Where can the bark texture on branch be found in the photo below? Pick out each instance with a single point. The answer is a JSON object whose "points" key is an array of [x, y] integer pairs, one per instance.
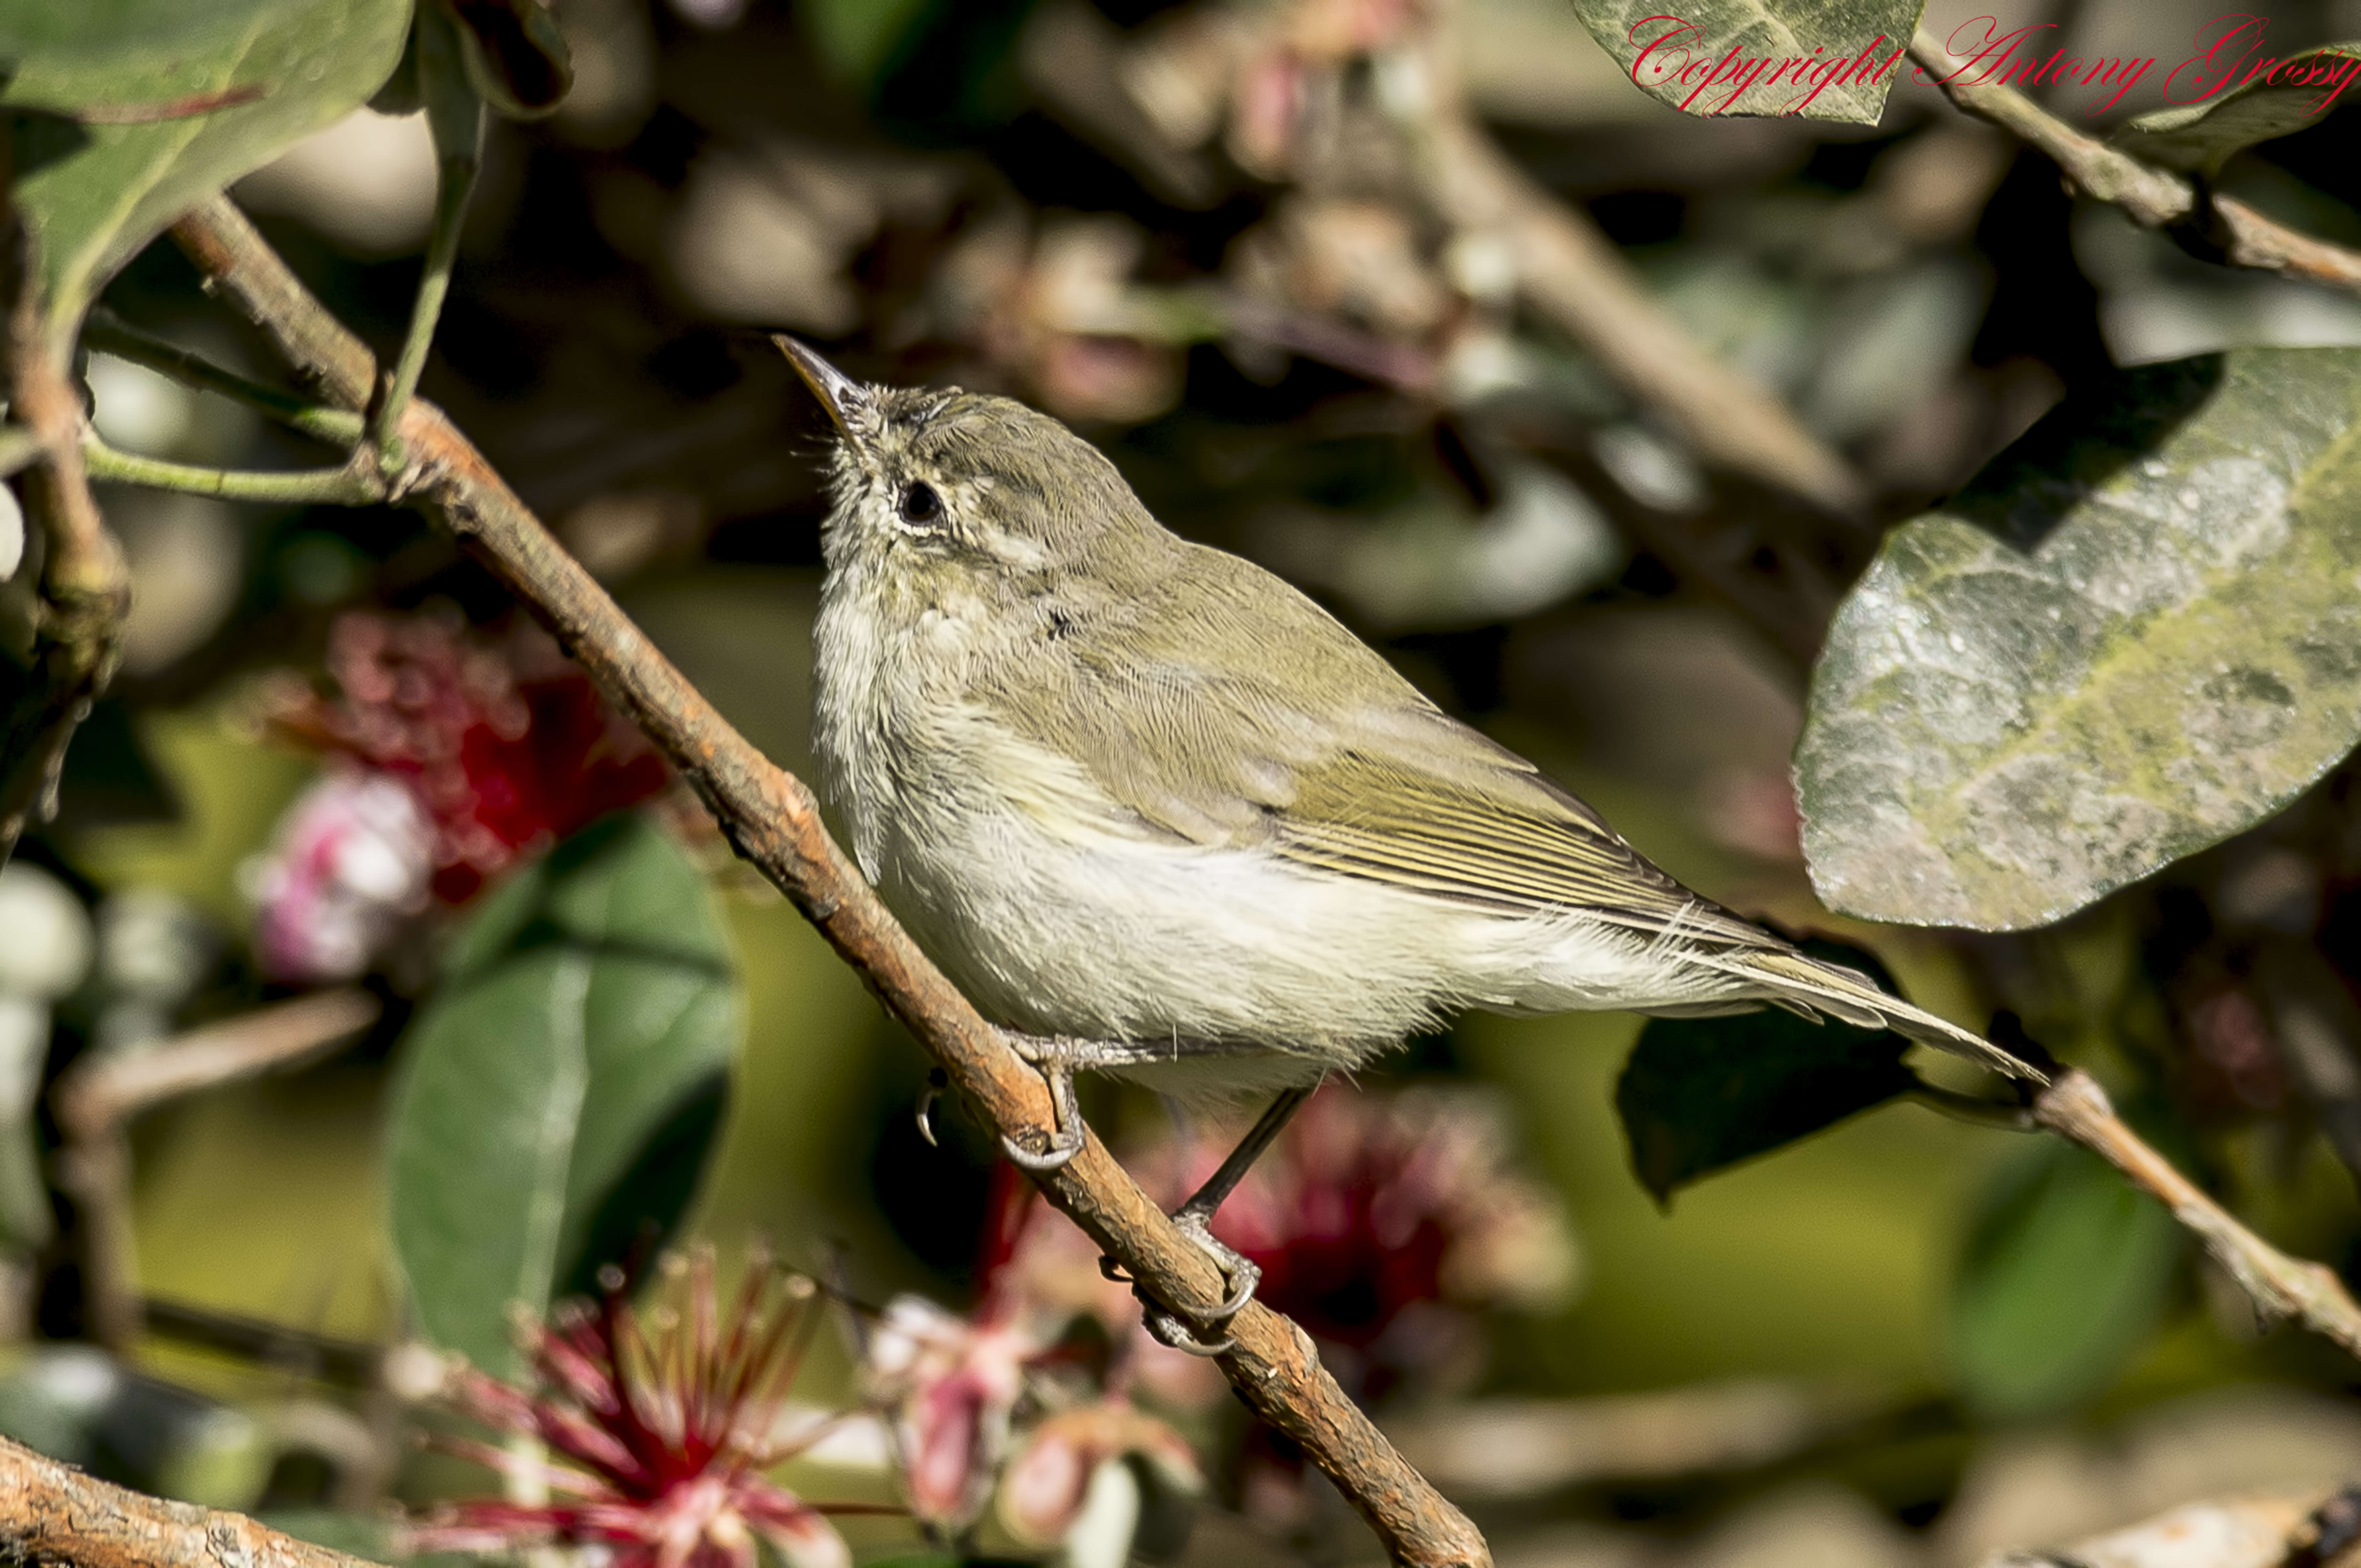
{"points": [[53, 1513], [774, 821]]}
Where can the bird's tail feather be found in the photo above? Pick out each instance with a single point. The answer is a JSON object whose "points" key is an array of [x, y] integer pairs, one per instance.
{"points": [[1796, 979]]}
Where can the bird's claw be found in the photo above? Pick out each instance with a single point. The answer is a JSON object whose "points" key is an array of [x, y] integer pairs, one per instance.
{"points": [[1066, 1137], [936, 1082], [1238, 1270], [1176, 1332], [1188, 1332], [1064, 1145]]}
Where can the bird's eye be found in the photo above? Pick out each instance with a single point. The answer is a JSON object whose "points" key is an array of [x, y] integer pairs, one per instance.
{"points": [[920, 504]]}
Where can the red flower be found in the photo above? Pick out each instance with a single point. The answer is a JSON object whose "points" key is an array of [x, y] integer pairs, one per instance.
{"points": [[658, 1440], [506, 741], [1378, 1214]]}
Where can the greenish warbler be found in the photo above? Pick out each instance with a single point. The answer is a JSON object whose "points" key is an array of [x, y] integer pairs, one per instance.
{"points": [[1158, 813]]}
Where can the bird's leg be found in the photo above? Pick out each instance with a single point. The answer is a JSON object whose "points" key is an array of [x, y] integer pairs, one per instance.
{"points": [[1195, 1218], [1057, 1058]]}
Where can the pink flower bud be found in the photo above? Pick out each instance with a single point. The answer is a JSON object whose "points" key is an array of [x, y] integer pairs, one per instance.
{"points": [[352, 862]]}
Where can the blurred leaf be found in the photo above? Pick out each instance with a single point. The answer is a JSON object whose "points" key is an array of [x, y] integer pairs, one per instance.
{"points": [[1719, 43], [2063, 1276], [2136, 633], [858, 38], [127, 113], [1701, 1094], [516, 57], [2201, 138], [562, 1090]]}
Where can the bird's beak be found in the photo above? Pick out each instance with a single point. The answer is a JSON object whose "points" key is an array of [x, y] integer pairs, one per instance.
{"points": [[837, 391]]}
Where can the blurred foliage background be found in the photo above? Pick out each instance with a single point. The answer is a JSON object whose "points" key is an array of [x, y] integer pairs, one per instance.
{"points": [[1909, 1340]]}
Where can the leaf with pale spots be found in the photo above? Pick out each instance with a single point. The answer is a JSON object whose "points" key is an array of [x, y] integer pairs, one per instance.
{"points": [[2136, 633]]}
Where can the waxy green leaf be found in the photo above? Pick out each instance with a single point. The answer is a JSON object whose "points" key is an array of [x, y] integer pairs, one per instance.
{"points": [[127, 113], [2136, 633], [559, 1095]]}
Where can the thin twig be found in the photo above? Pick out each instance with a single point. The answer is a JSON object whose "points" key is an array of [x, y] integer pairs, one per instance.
{"points": [[455, 116], [350, 485], [2281, 1286], [53, 1513], [85, 587], [2219, 229], [102, 1092], [351, 1364], [774, 821], [109, 333]]}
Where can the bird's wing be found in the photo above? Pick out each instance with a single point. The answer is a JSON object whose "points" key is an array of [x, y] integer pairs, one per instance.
{"points": [[1342, 764], [1435, 807]]}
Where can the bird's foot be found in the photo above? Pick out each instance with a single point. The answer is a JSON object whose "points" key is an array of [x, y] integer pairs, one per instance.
{"points": [[1068, 1134], [1192, 1331]]}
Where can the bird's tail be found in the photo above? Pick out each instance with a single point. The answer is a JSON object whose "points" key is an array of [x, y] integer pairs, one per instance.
{"points": [[1800, 982]]}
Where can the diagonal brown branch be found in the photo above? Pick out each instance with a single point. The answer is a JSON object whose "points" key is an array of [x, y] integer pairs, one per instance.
{"points": [[2075, 1107], [53, 1513], [2221, 227], [2281, 1287], [774, 821]]}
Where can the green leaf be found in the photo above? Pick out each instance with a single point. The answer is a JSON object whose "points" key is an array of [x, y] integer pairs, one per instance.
{"points": [[2201, 138], [1736, 57], [560, 1094], [1701, 1094], [2136, 633], [2064, 1274], [127, 113]]}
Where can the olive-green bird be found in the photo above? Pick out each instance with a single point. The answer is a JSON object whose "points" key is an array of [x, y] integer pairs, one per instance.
{"points": [[1158, 814]]}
